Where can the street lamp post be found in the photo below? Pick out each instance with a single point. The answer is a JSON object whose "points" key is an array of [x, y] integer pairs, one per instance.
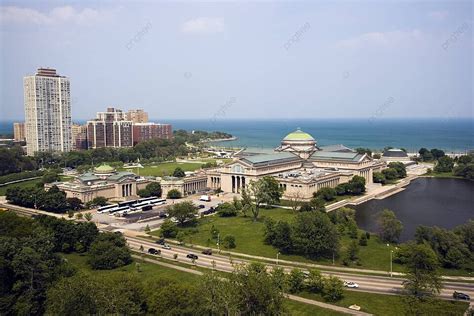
{"points": [[218, 243], [391, 263], [277, 258]]}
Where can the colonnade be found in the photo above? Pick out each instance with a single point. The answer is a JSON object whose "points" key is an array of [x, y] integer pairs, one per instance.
{"points": [[127, 189], [238, 182]]}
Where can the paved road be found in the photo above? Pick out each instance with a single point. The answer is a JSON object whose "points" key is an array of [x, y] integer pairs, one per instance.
{"points": [[373, 284]]}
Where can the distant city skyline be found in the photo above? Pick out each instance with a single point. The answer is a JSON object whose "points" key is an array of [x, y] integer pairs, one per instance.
{"points": [[221, 61]]}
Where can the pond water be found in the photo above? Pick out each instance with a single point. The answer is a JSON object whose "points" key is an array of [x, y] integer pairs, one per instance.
{"points": [[445, 203]]}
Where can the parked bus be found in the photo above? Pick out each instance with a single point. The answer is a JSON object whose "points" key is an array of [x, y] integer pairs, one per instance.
{"points": [[127, 203], [106, 208], [148, 199], [119, 209]]}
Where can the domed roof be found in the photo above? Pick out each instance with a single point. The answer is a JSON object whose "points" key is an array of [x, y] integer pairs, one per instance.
{"points": [[298, 135], [104, 168]]}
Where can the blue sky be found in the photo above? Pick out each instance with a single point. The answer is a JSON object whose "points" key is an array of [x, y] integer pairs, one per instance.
{"points": [[245, 59]]}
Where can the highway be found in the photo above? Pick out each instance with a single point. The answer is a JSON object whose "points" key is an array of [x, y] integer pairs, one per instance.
{"points": [[367, 283]]}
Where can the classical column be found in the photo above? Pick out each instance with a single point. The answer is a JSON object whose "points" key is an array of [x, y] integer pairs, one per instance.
{"points": [[233, 184]]}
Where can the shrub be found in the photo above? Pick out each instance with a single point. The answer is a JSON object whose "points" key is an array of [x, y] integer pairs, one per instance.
{"points": [[328, 194], [295, 281], [229, 242], [174, 194], [226, 210]]}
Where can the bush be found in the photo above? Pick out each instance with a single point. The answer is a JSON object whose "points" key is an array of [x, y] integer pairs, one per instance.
{"points": [[305, 207], [50, 177], [168, 229], [226, 210], [229, 242], [178, 172], [363, 240], [174, 194], [295, 281], [328, 194], [379, 177], [333, 289]]}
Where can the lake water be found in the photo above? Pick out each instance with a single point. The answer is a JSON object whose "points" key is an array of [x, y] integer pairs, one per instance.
{"points": [[426, 201]]}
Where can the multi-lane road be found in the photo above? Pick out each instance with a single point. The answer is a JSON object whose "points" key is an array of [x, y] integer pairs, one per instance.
{"points": [[367, 283]]}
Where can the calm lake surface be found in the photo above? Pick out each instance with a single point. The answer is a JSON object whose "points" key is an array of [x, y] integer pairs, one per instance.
{"points": [[445, 203]]}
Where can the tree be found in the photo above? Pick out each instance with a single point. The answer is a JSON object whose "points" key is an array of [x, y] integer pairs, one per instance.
{"points": [[229, 242], [318, 204], [353, 251], [356, 185], [314, 235], [247, 203], [295, 280], [363, 239], [315, 281], [333, 289], [88, 216], [390, 173], [258, 292], [50, 177], [74, 203], [79, 216], [168, 229], [379, 177], [400, 168], [152, 189], [147, 229], [226, 210], [422, 276], [183, 211], [97, 201], [327, 193], [390, 226], [263, 191], [219, 297], [174, 194], [306, 207], [178, 172], [437, 153], [444, 164], [294, 199], [109, 251]]}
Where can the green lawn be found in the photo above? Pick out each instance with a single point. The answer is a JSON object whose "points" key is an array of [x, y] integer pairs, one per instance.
{"points": [[164, 169], [249, 240], [24, 184], [150, 271], [390, 305]]}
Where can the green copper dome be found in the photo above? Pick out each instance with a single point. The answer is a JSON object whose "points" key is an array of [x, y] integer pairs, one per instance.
{"points": [[104, 169], [299, 135]]}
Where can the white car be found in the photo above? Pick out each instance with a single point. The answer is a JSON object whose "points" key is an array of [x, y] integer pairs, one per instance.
{"points": [[166, 246], [351, 285]]}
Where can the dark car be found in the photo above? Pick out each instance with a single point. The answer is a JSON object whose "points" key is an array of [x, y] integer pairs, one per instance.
{"points": [[207, 252], [202, 206], [154, 251], [160, 241], [163, 215], [212, 210], [206, 212], [461, 296], [192, 256]]}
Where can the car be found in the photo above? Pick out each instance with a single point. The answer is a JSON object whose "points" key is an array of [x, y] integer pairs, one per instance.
{"points": [[166, 246], [207, 252], [206, 212], [160, 241], [163, 215], [351, 285], [154, 251], [192, 256], [461, 296], [202, 206], [306, 274]]}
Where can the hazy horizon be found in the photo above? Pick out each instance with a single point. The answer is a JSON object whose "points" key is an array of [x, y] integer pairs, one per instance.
{"points": [[243, 60]]}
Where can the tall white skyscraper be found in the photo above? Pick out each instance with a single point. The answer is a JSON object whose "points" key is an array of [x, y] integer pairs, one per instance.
{"points": [[47, 112]]}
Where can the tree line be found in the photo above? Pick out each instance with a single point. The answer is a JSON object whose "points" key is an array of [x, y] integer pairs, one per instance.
{"points": [[30, 262]]}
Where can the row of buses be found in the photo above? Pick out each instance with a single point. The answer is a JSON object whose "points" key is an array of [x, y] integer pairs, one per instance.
{"points": [[133, 206]]}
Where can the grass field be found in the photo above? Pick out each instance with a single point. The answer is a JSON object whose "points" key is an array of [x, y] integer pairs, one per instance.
{"points": [[24, 184], [149, 271], [249, 240], [164, 169], [391, 305]]}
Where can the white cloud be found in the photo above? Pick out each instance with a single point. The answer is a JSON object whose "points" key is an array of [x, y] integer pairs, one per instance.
{"points": [[13, 14], [438, 15], [203, 25], [381, 39]]}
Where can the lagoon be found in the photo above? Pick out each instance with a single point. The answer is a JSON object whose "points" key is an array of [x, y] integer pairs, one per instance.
{"points": [[439, 202]]}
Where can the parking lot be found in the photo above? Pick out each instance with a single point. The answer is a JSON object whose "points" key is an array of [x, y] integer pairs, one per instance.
{"points": [[138, 221]]}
